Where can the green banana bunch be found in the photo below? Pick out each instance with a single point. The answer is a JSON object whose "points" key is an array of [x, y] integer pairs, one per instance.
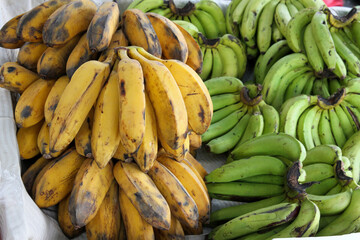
{"points": [[240, 114]]}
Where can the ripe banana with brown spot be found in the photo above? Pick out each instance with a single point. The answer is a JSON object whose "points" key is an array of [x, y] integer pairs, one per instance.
{"points": [[30, 26], [181, 204], [52, 63], [53, 98], [64, 219], [16, 78], [79, 55], [175, 232], [139, 31], [107, 221], [76, 101], [165, 97], [30, 53], [135, 225], [143, 194], [132, 102], [172, 41], [57, 181], [8, 37], [29, 110], [43, 142], [105, 135], [194, 164], [195, 141], [38, 178], [118, 40], [83, 137], [103, 26], [176, 154], [68, 21], [122, 155], [30, 174], [26, 138], [88, 191]]}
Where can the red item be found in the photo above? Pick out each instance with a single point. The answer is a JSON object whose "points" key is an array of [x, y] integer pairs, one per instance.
{"points": [[333, 3]]}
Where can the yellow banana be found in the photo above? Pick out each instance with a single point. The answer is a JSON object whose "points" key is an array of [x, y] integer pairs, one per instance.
{"points": [[29, 110], [58, 179], [76, 101], [105, 135], [67, 22], [175, 232], [177, 154], [191, 183], [53, 98], [132, 102], [30, 174], [181, 204], [195, 55], [64, 219], [30, 26], [139, 31], [15, 77], [43, 142], [107, 221], [193, 90], [79, 55], [195, 140], [83, 137], [193, 231], [122, 155], [136, 226], [172, 41], [146, 154], [166, 99], [30, 53], [143, 194], [52, 63], [103, 26], [26, 138], [8, 37], [88, 191], [39, 176], [194, 164], [118, 40]]}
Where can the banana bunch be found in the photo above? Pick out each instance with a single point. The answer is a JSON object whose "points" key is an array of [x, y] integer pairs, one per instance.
{"points": [[260, 23], [224, 56], [240, 114], [206, 15]]}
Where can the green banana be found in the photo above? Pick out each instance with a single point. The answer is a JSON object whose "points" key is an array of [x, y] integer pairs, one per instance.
{"points": [[194, 20], [351, 151], [332, 204], [271, 118], [217, 64], [254, 128], [230, 26], [335, 190], [229, 60], [216, 13], [297, 86], [282, 17], [318, 172], [323, 186], [336, 128], [325, 132], [238, 12], [315, 128], [323, 154], [292, 9], [146, 6], [340, 68], [207, 64], [208, 23], [269, 179], [276, 34], [223, 112], [317, 4], [223, 100], [312, 51], [304, 127]]}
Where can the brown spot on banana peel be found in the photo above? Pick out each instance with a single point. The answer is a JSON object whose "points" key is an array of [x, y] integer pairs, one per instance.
{"points": [[9, 70], [26, 112], [24, 21]]}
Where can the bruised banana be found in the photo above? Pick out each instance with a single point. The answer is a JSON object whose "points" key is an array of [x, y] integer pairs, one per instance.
{"points": [[122, 155], [8, 37], [16, 78], [29, 109], [83, 137], [56, 182], [30, 53], [139, 31], [30, 174], [103, 26], [88, 191], [43, 142], [27, 139], [67, 22], [64, 219], [143, 194], [107, 221], [118, 40]]}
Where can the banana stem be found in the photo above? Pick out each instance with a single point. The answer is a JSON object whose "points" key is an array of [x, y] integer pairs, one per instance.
{"points": [[333, 101], [247, 99], [187, 10]]}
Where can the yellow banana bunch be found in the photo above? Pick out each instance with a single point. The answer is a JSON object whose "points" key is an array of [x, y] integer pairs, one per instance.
{"points": [[26, 138], [30, 53], [64, 219], [15, 77], [83, 137], [30, 174], [8, 37]]}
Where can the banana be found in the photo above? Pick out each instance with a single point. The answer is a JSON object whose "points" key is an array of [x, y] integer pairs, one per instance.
{"points": [[191, 182], [282, 17], [334, 85], [122, 155], [271, 118], [264, 28], [230, 26], [292, 8], [194, 164], [255, 126], [141, 33], [326, 220], [181, 203], [317, 4], [355, 28], [351, 115], [195, 21], [163, 12], [103, 26], [207, 64], [323, 186], [225, 111], [276, 34], [29, 109], [323, 154], [332, 204], [28, 177], [350, 151], [229, 60], [16, 78], [217, 64], [335, 190], [118, 40], [83, 136], [324, 39], [257, 220], [175, 232], [8, 37], [223, 84], [273, 144], [68, 21], [30, 53], [239, 12], [136, 226], [223, 100], [318, 172], [161, 85], [146, 6], [264, 234], [64, 219], [336, 128], [27, 140], [107, 221], [52, 63], [304, 127], [297, 4], [208, 23], [325, 133], [43, 142], [216, 13], [53, 98], [30, 26], [88, 191], [76, 101], [305, 224], [57, 180]]}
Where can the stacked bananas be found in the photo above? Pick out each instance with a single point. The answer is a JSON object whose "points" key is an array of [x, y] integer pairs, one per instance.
{"points": [[240, 114]]}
